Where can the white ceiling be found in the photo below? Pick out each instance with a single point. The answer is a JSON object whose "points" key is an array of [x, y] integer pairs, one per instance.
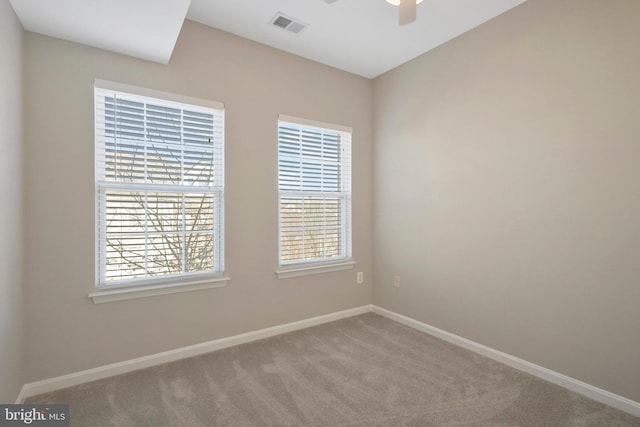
{"points": [[359, 36], [146, 29]]}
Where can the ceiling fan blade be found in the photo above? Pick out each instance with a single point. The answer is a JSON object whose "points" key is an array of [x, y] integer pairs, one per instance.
{"points": [[407, 11]]}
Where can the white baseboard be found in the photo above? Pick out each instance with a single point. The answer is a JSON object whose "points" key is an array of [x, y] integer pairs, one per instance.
{"points": [[592, 392], [22, 395], [57, 383]]}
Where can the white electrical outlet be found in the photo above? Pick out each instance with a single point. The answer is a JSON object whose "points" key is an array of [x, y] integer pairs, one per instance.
{"points": [[360, 277], [396, 281]]}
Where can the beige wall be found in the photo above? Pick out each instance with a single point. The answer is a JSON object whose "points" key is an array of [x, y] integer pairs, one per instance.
{"points": [[11, 307], [67, 332], [507, 188]]}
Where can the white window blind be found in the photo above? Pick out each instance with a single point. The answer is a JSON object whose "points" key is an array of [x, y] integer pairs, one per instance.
{"points": [[159, 188], [314, 190]]}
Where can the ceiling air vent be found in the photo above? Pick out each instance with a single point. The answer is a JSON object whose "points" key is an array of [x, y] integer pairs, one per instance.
{"points": [[287, 23]]}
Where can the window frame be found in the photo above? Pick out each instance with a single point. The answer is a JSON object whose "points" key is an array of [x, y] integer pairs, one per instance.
{"points": [[168, 283], [345, 260]]}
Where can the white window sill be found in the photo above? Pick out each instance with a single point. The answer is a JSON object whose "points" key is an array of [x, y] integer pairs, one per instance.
{"points": [[306, 270], [118, 294]]}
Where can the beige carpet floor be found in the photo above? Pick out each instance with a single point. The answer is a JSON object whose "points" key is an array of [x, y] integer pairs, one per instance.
{"points": [[362, 371]]}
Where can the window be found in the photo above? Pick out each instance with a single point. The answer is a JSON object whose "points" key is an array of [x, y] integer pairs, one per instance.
{"points": [[314, 191], [159, 177]]}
